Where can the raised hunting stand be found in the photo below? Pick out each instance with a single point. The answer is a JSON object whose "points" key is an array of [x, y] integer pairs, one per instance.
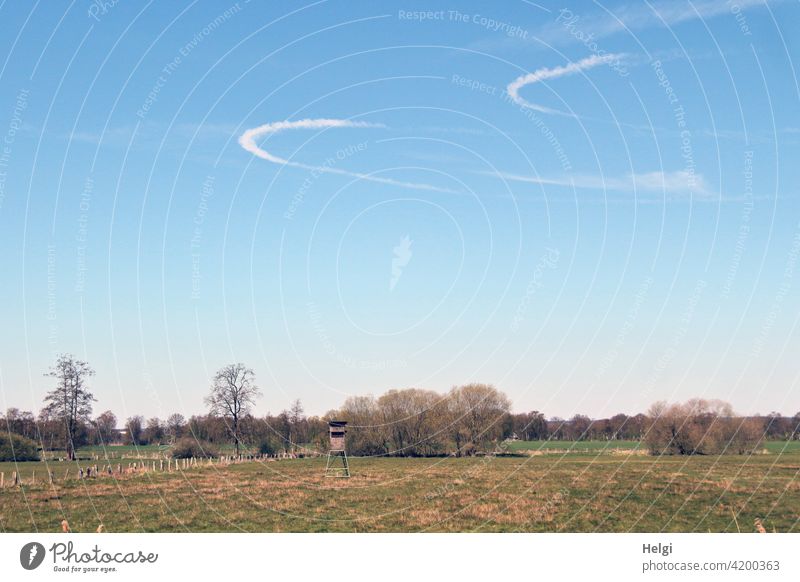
{"points": [[337, 428]]}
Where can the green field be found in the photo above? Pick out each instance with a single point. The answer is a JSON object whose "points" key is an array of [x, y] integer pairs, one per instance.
{"points": [[579, 491], [573, 446], [782, 447]]}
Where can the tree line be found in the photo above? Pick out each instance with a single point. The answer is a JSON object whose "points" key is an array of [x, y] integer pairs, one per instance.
{"points": [[467, 420]]}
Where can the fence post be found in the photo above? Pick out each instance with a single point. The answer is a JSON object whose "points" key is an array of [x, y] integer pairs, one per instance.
{"points": [[15, 477], [2, 480]]}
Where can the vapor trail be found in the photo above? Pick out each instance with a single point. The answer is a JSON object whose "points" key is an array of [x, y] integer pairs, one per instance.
{"points": [[248, 141], [544, 74]]}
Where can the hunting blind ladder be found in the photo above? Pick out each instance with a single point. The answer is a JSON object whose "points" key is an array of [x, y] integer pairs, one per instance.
{"points": [[337, 452]]}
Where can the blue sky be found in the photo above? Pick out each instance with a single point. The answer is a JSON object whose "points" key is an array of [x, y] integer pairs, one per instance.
{"points": [[592, 207]]}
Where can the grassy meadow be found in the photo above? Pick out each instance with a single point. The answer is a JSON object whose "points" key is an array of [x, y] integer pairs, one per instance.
{"points": [[586, 490]]}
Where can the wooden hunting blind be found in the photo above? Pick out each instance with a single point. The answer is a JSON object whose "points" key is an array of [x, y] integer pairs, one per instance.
{"points": [[337, 451]]}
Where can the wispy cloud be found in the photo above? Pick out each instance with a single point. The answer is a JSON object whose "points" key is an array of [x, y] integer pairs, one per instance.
{"points": [[679, 182], [248, 141], [635, 17], [545, 74], [638, 16]]}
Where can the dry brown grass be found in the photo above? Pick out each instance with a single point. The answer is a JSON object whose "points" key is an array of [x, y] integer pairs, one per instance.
{"points": [[542, 493]]}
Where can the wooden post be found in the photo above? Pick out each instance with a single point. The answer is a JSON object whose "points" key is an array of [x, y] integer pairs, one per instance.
{"points": [[15, 478], [33, 477], [2, 480], [161, 465]]}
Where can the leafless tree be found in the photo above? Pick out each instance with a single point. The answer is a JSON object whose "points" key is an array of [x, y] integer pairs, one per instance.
{"points": [[476, 413], [700, 427], [135, 429], [296, 418], [175, 426], [105, 427], [70, 402], [233, 393]]}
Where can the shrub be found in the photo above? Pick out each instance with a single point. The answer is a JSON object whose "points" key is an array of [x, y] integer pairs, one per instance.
{"points": [[266, 447], [700, 427], [17, 448], [189, 447]]}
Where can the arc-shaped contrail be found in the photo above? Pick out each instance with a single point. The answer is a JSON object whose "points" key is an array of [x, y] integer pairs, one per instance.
{"points": [[248, 141], [544, 74]]}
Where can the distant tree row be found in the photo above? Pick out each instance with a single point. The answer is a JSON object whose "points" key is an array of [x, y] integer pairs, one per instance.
{"points": [[412, 422]]}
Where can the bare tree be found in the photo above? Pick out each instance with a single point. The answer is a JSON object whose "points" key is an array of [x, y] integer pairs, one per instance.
{"points": [[154, 431], [700, 427], [175, 426], [233, 393], [476, 412], [135, 429], [105, 427], [296, 418], [70, 402]]}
